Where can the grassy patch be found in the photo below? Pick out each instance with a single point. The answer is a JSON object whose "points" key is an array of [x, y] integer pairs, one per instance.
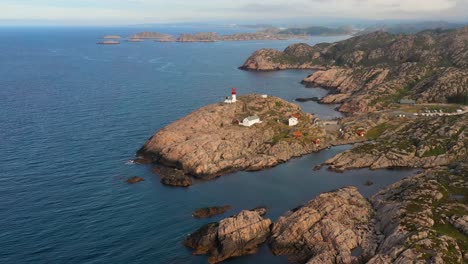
{"points": [[414, 208], [282, 135], [376, 131], [449, 230], [435, 151]]}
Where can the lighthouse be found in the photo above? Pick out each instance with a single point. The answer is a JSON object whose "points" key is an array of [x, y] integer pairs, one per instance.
{"points": [[233, 98], [234, 95]]}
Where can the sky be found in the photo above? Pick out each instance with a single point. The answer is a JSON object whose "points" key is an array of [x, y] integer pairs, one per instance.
{"points": [[236, 11]]}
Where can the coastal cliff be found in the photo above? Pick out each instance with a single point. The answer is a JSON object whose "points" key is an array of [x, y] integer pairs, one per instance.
{"points": [[210, 141], [371, 71], [421, 219]]}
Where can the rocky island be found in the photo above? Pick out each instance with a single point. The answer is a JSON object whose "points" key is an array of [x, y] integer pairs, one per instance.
{"points": [[210, 141], [269, 34]]}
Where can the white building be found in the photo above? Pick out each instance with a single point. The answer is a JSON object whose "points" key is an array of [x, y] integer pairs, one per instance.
{"points": [[293, 121], [250, 121]]}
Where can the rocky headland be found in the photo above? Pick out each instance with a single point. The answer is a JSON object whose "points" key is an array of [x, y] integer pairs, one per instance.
{"points": [[369, 72], [421, 219], [210, 141]]}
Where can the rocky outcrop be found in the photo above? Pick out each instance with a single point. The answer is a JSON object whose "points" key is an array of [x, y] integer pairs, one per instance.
{"points": [[334, 227], [371, 71], [415, 218], [210, 211], [234, 236], [210, 142], [424, 142]]}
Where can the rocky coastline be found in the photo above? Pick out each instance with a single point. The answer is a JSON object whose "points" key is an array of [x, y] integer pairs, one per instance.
{"points": [[420, 219], [415, 220]]}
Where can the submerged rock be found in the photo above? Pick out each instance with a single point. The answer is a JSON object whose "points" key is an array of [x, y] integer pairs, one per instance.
{"points": [[234, 236], [135, 179], [173, 177], [211, 211], [314, 99]]}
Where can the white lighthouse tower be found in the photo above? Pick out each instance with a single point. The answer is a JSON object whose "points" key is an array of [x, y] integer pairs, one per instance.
{"points": [[234, 95], [233, 98]]}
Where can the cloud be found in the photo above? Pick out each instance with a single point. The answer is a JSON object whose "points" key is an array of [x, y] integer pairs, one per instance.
{"points": [[182, 10]]}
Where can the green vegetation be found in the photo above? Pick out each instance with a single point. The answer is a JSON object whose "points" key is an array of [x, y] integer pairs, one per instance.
{"points": [[282, 135], [376, 131], [278, 104], [435, 151]]}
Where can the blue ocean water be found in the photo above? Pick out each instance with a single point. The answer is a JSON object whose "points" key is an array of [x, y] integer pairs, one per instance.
{"points": [[72, 113]]}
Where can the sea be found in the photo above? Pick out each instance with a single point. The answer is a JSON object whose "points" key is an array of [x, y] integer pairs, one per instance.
{"points": [[73, 113]]}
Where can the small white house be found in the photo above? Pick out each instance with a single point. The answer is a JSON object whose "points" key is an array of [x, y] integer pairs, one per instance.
{"points": [[250, 121], [293, 121], [264, 96]]}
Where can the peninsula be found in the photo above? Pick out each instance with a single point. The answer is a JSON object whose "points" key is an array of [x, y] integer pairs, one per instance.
{"points": [[212, 140]]}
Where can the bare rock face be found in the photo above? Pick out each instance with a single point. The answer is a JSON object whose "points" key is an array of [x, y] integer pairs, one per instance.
{"points": [[234, 236], [210, 142], [418, 143], [328, 229], [419, 222], [293, 57]]}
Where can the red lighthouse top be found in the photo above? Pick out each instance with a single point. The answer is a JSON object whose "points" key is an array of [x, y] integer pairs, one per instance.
{"points": [[234, 90]]}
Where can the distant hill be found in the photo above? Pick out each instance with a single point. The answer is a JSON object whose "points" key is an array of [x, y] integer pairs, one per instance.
{"points": [[319, 31], [412, 28]]}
